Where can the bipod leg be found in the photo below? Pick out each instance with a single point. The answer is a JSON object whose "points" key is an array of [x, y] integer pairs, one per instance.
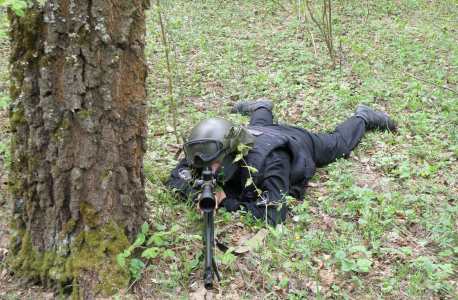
{"points": [[215, 268]]}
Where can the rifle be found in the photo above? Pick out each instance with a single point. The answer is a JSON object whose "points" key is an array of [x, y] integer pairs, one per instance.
{"points": [[207, 203]]}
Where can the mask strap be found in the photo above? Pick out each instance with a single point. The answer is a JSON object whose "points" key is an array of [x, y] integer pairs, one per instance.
{"points": [[175, 157], [226, 144], [177, 154], [183, 136]]}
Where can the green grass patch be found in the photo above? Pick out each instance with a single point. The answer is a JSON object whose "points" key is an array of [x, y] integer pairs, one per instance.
{"points": [[379, 225]]}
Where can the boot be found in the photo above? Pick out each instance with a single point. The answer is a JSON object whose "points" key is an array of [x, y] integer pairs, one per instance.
{"points": [[374, 119], [247, 107]]}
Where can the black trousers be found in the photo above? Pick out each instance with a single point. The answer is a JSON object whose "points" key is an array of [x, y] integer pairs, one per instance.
{"points": [[325, 148]]}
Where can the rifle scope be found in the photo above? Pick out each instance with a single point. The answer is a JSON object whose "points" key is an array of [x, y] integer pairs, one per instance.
{"points": [[207, 201]]}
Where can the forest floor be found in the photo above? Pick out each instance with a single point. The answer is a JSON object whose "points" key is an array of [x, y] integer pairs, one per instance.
{"points": [[381, 224]]}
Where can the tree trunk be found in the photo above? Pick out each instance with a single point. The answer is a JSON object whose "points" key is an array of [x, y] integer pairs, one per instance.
{"points": [[78, 120]]}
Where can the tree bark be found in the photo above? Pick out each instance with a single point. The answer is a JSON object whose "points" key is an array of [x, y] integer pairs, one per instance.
{"points": [[78, 120]]}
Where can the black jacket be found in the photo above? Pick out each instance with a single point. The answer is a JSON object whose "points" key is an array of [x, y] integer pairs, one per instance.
{"points": [[284, 166]]}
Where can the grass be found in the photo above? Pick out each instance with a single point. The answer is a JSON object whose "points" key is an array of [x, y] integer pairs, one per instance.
{"points": [[378, 225], [381, 224]]}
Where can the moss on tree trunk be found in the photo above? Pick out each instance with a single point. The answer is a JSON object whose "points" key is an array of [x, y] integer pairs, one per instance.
{"points": [[78, 120], [91, 264]]}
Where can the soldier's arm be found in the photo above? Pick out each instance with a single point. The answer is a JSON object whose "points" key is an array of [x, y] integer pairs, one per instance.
{"points": [[274, 187], [181, 181]]}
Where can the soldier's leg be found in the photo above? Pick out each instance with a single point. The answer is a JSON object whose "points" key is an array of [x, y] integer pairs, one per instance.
{"points": [[260, 111], [328, 147], [261, 116]]}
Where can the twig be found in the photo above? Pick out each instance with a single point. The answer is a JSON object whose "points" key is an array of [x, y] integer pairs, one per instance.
{"points": [[169, 72], [340, 57], [241, 274], [185, 247], [251, 285], [413, 240], [367, 17], [161, 159], [441, 236], [210, 15], [325, 31], [414, 12], [280, 5], [330, 32], [299, 4], [329, 23], [169, 35], [426, 81], [418, 78], [138, 277], [310, 32], [421, 132]]}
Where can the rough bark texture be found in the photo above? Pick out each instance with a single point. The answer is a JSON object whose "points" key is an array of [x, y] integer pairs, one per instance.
{"points": [[78, 119]]}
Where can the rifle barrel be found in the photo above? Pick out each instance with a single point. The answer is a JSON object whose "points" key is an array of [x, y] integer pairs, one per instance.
{"points": [[208, 240], [207, 204]]}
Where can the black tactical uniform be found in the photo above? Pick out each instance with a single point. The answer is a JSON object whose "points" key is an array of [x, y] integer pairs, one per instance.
{"points": [[286, 157]]}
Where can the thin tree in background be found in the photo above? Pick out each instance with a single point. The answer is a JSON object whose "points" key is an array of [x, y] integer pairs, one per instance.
{"points": [[169, 72], [325, 26]]}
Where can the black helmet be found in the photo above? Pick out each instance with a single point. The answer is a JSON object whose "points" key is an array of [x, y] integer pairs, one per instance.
{"points": [[212, 139]]}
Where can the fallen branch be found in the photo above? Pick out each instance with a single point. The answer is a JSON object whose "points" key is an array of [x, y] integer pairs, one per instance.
{"points": [[310, 32], [138, 277], [364, 24], [408, 236], [280, 5], [418, 78], [209, 16]]}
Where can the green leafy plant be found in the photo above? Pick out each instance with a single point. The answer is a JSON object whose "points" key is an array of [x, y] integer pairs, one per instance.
{"points": [[4, 101], [228, 257], [158, 238], [17, 5], [136, 266], [436, 272]]}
